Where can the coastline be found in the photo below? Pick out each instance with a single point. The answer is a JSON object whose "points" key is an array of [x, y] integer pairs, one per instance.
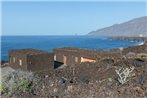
{"points": [[131, 39]]}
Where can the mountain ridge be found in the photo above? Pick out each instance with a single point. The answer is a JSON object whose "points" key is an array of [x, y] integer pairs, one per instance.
{"points": [[132, 28]]}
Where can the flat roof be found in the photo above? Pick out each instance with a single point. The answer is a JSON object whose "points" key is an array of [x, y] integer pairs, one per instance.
{"points": [[29, 51]]}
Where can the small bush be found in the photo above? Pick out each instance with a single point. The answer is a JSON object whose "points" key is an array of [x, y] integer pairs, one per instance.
{"points": [[124, 74], [25, 85], [3, 88], [22, 85], [16, 81]]}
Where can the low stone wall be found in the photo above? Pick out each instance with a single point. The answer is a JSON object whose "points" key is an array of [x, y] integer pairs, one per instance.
{"points": [[136, 49]]}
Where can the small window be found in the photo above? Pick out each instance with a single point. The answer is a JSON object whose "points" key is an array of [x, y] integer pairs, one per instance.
{"points": [[55, 57], [76, 59], [13, 59], [20, 62]]}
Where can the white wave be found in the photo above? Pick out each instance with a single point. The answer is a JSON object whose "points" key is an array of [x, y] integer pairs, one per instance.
{"points": [[141, 43], [132, 41]]}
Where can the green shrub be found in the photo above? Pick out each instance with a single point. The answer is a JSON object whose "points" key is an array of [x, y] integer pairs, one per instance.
{"points": [[12, 89], [22, 85], [3, 88], [25, 85]]}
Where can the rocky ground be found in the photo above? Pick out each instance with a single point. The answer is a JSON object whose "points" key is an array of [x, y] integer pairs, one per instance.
{"points": [[126, 78]]}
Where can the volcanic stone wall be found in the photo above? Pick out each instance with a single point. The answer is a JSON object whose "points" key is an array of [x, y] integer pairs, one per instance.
{"points": [[71, 53], [136, 52], [40, 62], [14, 58], [136, 49]]}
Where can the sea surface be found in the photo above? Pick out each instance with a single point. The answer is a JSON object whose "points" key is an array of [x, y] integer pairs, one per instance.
{"points": [[50, 42]]}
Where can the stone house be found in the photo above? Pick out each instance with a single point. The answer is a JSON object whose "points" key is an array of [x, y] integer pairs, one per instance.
{"points": [[31, 60], [70, 56]]}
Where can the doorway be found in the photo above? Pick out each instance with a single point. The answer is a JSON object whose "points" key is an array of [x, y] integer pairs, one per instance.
{"points": [[64, 59]]}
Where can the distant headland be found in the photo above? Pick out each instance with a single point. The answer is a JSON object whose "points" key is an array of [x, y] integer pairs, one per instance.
{"points": [[134, 28]]}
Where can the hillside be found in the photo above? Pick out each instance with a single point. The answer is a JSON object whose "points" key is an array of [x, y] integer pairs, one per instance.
{"points": [[130, 28]]}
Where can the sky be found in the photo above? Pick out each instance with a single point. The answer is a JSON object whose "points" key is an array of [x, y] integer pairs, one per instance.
{"points": [[66, 18]]}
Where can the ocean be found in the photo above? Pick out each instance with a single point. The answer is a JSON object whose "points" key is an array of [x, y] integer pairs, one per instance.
{"points": [[48, 43]]}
